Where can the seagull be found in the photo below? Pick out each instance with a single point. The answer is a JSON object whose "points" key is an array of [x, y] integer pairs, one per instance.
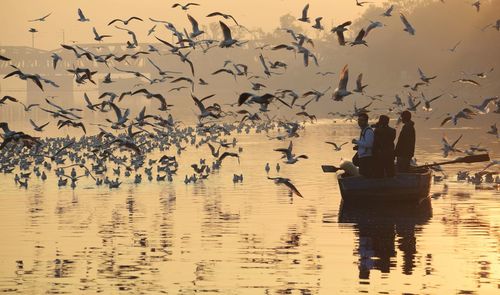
{"points": [[408, 28], [78, 55], [196, 31], [38, 128], [62, 123], [317, 24], [3, 58], [372, 26], [493, 130], [388, 11], [41, 19], [455, 46], [359, 84], [228, 40], [427, 103], [163, 104], [477, 4], [98, 37], [467, 81], [288, 183], [465, 113], [447, 147], [359, 39], [483, 107], [9, 98], [336, 147], [186, 6], [225, 16], [81, 16], [290, 157], [184, 58], [412, 107], [339, 30], [24, 76], [55, 59], [125, 22], [361, 3], [341, 91], [304, 18], [424, 78]]}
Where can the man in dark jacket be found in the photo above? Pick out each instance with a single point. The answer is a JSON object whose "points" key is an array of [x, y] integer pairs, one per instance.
{"points": [[383, 148], [405, 148]]}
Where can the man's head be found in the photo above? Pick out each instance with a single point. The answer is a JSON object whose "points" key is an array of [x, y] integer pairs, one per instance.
{"points": [[363, 120], [406, 116], [383, 121]]}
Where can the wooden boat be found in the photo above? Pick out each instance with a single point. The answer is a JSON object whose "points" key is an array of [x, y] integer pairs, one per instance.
{"points": [[404, 187]]}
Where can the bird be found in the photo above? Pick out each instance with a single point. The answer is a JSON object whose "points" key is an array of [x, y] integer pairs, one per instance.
{"points": [[4, 58], [388, 11], [228, 40], [8, 98], [27, 108], [186, 6], [163, 103], [425, 78], [359, 39], [427, 103], [24, 76], [81, 16], [336, 147], [77, 54], [447, 147], [467, 81], [465, 113], [455, 46], [38, 128], [287, 182], [62, 123], [493, 130], [98, 37], [341, 91], [55, 59], [41, 19], [125, 22], [317, 24], [225, 16], [304, 18], [358, 3], [339, 30], [196, 30], [359, 84], [477, 5], [483, 108], [408, 28], [290, 157]]}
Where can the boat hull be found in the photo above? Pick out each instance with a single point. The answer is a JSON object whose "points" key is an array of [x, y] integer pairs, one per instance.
{"points": [[404, 187]]}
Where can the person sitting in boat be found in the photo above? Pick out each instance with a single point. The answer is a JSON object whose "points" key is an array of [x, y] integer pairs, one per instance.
{"points": [[363, 158], [405, 148], [383, 148]]}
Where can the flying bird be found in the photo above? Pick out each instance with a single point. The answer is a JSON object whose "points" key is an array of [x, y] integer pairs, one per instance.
{"points": [[41, 19], [287, 182], [125, 22], [408, 28], [341, 91], [81, 16]]}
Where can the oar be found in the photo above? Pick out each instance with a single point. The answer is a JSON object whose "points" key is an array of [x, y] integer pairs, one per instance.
{"points": [[466, 159], [330, 168]]}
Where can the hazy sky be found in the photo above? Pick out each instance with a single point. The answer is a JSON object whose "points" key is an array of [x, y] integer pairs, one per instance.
{"points": [[256, 13]]}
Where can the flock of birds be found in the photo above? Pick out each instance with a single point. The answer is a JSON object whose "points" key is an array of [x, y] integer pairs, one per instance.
{"points": [[127, 144]]}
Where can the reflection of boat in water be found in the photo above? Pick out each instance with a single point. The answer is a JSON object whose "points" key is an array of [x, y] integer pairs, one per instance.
{"points": [[404, 187], [383, 230]]}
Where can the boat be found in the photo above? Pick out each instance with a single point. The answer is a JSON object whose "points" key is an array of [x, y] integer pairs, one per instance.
{"points": [[402, 188]]}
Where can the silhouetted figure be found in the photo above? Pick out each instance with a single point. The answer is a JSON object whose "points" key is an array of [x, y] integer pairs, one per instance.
{"points": [[364, 146], [383, 148], [405, 148]]}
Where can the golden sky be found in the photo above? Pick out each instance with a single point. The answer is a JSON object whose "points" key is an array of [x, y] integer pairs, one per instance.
{"points": [[253, 14]]}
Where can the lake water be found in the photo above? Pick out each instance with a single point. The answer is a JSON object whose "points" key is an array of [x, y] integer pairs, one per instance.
{"points": [[215, 236]]}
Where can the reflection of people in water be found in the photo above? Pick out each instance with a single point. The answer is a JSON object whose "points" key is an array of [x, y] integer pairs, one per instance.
{"points": [[379, 231]]}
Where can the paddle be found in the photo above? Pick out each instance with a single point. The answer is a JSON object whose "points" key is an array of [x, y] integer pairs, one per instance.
{"points": [[330, 168], [466, 159]]}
